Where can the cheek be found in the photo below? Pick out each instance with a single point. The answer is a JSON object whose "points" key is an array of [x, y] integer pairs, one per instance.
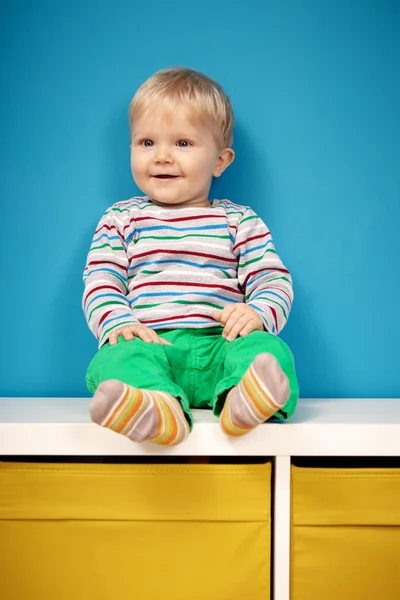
{"points": [[200, 166], [138, 164]]}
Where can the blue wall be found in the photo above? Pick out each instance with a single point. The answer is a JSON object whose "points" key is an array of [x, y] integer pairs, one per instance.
{"points": [[315, 87]]}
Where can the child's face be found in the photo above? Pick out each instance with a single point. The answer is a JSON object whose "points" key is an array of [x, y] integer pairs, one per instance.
{"points": [[174, 160]]}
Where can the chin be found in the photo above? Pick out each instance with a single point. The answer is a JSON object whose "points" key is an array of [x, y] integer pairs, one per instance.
{"points": [[165, 200]]}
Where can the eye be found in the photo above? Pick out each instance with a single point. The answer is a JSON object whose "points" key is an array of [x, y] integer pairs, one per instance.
{"points": [[147, 143], [183, 144]]}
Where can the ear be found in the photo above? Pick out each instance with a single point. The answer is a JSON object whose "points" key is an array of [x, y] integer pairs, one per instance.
{"points": [[225, 158]]}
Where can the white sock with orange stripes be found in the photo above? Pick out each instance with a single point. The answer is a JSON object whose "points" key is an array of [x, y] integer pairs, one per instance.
{"points": [[141, 415], [261, 392]]}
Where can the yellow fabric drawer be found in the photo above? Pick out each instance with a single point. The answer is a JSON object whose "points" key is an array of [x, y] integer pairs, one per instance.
{"points": [[345, 534], [105, 532]]}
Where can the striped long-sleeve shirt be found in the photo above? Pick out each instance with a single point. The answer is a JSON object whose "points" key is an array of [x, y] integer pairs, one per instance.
{"points": [[171, 268]]}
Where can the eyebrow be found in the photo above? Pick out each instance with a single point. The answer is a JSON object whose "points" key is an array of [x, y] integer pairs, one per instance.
{"points": [[179, 136]]}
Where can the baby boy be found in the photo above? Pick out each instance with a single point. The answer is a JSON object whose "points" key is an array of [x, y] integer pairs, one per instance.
{"points": [[186, 295]]}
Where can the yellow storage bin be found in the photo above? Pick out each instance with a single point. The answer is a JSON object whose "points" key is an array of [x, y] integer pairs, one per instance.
{"points": [[345, 534], [110, 532]]}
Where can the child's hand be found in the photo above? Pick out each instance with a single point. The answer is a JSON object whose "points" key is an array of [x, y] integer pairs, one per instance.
{"points": [[129, 332], [238, 319]]}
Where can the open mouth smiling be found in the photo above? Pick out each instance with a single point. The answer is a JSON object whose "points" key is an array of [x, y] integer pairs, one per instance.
{"points": [[165, 176]]}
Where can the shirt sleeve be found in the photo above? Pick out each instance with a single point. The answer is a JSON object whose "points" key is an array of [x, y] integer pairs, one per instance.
{"points": [[263, 277], [104, 301]]}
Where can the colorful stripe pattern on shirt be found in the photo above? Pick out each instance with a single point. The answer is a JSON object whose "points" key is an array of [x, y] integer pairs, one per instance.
{"points": [[169, 268]]}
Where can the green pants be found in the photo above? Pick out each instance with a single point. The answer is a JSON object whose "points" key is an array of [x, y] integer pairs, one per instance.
{"points": [[199, 369]]}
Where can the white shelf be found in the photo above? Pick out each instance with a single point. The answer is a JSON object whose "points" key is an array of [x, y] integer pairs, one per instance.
{"points": [[320, 427]]}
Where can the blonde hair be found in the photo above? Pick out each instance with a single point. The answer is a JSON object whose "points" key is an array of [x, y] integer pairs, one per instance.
{"points": [[175, 87]]}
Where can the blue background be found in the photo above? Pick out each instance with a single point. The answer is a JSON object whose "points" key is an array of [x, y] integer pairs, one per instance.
{"points": [[315, 88]]}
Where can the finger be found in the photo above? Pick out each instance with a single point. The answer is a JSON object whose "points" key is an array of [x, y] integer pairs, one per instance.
{"points": [[165, 342], [238, 326], [216, 315], [227, 312], [247, 329], [113, 338], [128, 335], [235, 316], [146, 335], [155, 339]]}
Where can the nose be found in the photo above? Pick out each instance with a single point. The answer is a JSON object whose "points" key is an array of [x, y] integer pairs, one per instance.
{"points": [[163, 155]]}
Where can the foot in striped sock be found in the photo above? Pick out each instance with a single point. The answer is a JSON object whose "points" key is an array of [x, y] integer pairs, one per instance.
{"points": [[261, 392], [141, 415]]}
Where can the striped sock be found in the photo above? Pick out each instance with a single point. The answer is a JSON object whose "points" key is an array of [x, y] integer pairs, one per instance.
{"points": [[261, 392], [141, 415]]}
